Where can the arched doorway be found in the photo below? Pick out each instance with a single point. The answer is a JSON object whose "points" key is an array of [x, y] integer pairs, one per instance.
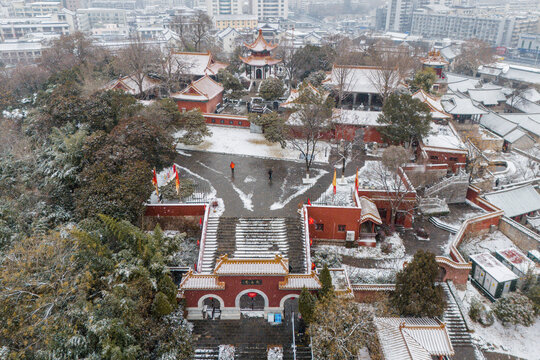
{"points": [[251, 301], [211, 307], [258, 74], [290, 306]]}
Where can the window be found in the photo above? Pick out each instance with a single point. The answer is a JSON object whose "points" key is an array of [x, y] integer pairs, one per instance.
{"points": [[240, 123], [433, 157], [453, 159], [231, 122], [319, 227], [222, 121], [341, 227], [213, 121]]}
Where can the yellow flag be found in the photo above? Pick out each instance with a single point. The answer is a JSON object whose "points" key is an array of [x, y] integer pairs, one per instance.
{"points": [[334, 181]]}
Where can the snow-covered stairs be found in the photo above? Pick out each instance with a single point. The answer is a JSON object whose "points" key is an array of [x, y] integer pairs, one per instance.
{"points": [[457, 330], [442, 225], [206, 353], [210, 245], [260, 238]]}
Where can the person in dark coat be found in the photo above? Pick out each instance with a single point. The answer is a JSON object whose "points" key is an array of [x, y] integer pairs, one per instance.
{"points": [[270, 172]]}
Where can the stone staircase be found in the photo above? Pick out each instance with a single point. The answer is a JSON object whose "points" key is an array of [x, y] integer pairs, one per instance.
{"points": [[442, 225], [254, 238], [457, 329], [453, 189], [210, 245], [250, 337]]}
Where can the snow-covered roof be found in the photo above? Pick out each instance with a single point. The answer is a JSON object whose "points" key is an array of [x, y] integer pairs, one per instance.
{"points": [[524, 105], [196, 64], [295, 93], [276, 266], [356, 117], [299, 281], [413, 338], [489, 70], [516, 201], [193, 281], [358, 79], [461, 83], [437, 110], [517, 259], [529, 122], [515, 135], [497, 124], [531, 94], [456, 105], [128, 84], [260, 44], [494, 267], [449, 53], [259, 60], [443, 137], [226, 32], [487, 96], [203, 89], [369, 211]]}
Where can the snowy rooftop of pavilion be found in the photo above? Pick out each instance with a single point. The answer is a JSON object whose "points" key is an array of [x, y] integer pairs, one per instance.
{"points": [[196, 64], [356, 117], [516, 201], [299, 281], [358, 79], [413, 338], [193, 281], [443, 137], [437, 110]]}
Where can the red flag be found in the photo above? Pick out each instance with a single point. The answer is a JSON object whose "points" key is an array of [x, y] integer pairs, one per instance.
{"points": [[356, 180], [308, 202], [177, 181], [334, 182], [154, 181]]}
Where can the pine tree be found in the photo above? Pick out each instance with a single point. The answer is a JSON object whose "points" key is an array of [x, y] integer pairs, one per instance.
{"points": [[306, 305], [327, 290], [416, 293]]}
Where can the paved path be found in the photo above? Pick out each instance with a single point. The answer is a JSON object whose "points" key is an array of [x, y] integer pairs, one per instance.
{"points": [[251, 182]]}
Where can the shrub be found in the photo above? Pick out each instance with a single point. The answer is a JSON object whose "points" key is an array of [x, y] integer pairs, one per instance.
{"points": [[386, 248], [514, 308], [534, 295], [480, 314], [161, 305], [306, 305]]}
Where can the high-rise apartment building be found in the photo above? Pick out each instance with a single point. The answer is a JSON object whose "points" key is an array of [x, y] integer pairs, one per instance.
{"points": [[270, 9], [224, 7]]}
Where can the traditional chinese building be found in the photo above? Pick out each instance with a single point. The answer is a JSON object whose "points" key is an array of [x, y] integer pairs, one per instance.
{"points": [[204, 94], [260, 64]]}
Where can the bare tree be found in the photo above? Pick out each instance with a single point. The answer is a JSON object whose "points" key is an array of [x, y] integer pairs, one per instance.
{"points": [[474, 53], [193, 30], [289, 61], [136, 61], [173, 70], [389, 175], [310, 122]]}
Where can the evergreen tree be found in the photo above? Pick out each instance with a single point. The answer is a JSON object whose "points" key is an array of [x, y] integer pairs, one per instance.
{"points": [[306, 305], [416, 293], [327, 289], [271, 89], [405, 120], [423, 80], [273, 126]]}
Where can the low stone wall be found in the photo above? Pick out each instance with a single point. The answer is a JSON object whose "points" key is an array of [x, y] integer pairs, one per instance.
{"points": [[368, 293], [524, 238]]}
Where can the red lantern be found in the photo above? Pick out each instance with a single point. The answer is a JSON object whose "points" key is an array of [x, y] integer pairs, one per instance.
{"points": [[312, 266], [311, 221], [198, 242], [252, 294], [195, 266], [200, 221], [310, 242]]}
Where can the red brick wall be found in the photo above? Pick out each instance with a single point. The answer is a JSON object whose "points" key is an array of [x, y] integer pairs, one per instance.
{"points": [[331, 217], [443, 157], [174, 210], [380, 198]]}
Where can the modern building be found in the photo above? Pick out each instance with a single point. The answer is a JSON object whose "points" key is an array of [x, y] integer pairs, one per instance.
{"points": [[493, 278], [270, 9], [399, 15], [23, 9], [16, 28], [13, 53], [238, 22], [89, 18], [224, 7], [529, 43], [497, 29]]}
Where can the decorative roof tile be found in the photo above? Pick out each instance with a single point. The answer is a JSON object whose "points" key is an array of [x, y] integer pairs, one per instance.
{"points": [[276, 266]]}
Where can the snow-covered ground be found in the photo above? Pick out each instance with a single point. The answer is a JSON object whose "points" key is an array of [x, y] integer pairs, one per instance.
{"points": [[366, 252], [517, 340], [237, 141], [486, 243], [226, 352], [275, 353], [520, 168], [298, 189], [371, 275]]}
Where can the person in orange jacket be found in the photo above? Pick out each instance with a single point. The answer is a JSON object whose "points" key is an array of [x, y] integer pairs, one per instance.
{"points": [[232, 168]]}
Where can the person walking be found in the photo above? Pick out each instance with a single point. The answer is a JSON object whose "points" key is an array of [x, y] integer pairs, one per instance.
{"points": [[270, 172], [232, 168]]}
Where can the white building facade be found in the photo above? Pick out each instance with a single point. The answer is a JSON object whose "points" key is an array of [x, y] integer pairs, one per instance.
{"points": [[270, 9]]}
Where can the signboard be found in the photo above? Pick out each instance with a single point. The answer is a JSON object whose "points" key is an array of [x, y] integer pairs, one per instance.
{"points": [[277, 318], [251, 282]]}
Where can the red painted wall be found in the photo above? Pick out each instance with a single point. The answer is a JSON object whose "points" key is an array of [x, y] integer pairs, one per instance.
{"points": [[380, 198], [443, 157], [213, 120], [207, 107], [174, 210], [233, 286], [331, 217]]}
